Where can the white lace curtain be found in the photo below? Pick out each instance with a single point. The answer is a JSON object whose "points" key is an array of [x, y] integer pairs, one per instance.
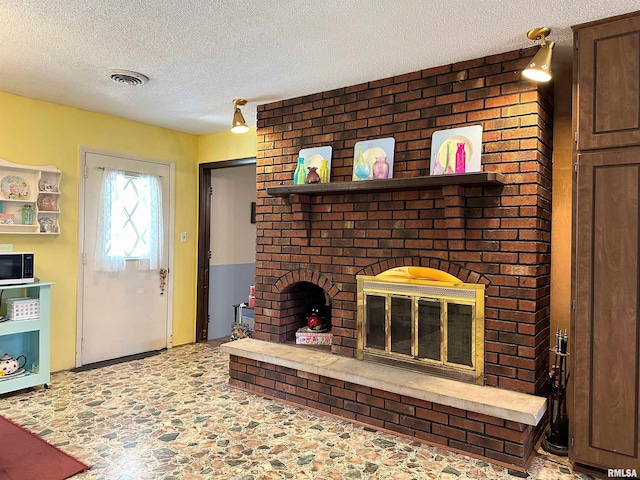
{"points": [[129, 222]]}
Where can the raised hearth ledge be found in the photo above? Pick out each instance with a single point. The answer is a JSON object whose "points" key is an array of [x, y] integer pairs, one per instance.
{"points": [[496, 402]]}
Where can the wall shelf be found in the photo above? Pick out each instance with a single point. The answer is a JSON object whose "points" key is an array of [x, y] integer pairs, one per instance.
{"points": [[35, 187], [390, 185]]}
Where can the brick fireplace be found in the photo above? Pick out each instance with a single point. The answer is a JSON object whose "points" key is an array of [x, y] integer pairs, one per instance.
{"points": [[491, 228]]}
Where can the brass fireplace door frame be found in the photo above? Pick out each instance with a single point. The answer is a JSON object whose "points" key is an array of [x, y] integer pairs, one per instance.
{"points": [[432, 291]]}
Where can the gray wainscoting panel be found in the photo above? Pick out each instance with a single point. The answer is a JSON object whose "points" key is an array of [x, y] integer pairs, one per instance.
{"points": [[228, 286]]}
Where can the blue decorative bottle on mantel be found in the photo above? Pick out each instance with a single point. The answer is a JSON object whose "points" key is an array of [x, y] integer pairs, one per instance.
{"points": [[299, 176], [360, 169]]}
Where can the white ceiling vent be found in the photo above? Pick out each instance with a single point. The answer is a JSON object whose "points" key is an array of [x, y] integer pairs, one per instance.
{"points": [[128, 77]]}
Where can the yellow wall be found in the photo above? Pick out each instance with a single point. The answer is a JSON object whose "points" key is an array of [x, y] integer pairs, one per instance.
{"points": [[217, 147], [33, 132], [561, 203]]}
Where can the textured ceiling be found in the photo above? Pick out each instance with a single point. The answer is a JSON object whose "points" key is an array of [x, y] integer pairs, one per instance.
{"points": [[201, 54]]}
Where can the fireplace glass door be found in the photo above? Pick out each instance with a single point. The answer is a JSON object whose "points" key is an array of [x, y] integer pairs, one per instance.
{"points": [[429, 330], [401, 322], [439, 330], [376, 327], [460, 334]]}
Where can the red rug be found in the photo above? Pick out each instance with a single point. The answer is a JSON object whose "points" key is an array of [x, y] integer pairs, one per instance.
{"points": [[25, 456]]}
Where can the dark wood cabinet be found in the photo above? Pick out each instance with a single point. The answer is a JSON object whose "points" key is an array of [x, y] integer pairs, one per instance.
{"points": [[606, 390], [605, 374], [608, 62]]}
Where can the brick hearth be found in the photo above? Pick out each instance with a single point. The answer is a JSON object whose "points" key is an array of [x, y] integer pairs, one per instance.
{"points": [[495, 234], [482, 421]]}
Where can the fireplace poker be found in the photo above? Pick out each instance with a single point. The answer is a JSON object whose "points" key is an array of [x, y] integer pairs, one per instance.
{"points": [[557, 440]]}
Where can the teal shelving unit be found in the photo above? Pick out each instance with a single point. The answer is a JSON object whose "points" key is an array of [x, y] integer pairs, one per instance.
{"points": [[30, 337]]}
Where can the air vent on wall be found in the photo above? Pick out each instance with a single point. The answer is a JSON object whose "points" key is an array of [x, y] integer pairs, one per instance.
{"points": [[128, 77]]}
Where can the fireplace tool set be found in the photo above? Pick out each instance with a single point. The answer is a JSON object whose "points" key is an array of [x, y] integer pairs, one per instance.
{"points": [[557, 441]]}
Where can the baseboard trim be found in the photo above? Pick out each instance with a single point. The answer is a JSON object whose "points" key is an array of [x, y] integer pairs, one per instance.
{"points": [[116, 361]]}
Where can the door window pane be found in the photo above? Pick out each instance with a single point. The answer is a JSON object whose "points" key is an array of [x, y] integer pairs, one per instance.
{"points": [[129, 221], [133, 217]]}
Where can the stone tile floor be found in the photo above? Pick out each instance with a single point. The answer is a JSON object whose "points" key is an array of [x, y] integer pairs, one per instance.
{"points": [[173, 416]]}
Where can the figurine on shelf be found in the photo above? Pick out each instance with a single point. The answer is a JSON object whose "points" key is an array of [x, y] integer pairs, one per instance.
{"points": [[47, 225], [315, 321], [461, 158], [361, 170], [451, 155], [324, 172], [380, 168], [312, 176], [299, 175], [47, 186], [27, 215], [47, 203]]}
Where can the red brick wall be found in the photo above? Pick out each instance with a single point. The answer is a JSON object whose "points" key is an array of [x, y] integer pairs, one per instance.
{"points": [[497, 235], [480, 435]]}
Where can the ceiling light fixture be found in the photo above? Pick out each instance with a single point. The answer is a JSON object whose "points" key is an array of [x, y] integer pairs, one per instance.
{"points": [[539, 68], [239, 124]]}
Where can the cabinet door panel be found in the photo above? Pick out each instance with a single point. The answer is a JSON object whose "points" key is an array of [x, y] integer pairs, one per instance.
{"points": [[609, 84], [606, 340]]}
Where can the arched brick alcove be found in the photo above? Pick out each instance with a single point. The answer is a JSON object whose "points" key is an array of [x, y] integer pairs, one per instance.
{"points": [[293, 295]]}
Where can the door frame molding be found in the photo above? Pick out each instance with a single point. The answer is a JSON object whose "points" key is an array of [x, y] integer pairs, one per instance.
{"points": [[84, 150], [204, 240]]}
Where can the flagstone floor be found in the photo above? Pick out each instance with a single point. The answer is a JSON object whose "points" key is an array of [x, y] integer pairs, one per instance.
{"points": [[173, 416]]}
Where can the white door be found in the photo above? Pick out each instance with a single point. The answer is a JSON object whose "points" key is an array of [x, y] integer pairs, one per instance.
{"points": [[123, 312]]}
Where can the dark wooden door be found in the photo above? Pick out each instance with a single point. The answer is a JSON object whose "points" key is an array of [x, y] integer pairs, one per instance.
{"points": [[606, 330], [608, 80]]}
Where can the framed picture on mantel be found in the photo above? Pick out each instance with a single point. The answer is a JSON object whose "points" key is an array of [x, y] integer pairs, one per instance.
{"points": [[457, 150], [373, 159], [317, 160]]}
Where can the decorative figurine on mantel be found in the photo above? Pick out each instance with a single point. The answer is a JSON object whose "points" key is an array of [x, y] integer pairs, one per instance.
{"points": [[380, 168], [312, 176], [456, 150], [315, 166], [299, 175], [373, 159]]}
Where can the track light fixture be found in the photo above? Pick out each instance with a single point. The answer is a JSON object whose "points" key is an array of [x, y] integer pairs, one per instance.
{"points": [[239, 124], [539, 68]]}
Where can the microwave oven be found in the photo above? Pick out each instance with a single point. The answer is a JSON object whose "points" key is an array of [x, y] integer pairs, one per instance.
{"points": [[16, 268]]}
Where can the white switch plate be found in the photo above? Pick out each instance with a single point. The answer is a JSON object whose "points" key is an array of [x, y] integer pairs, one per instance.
{"points": [[6, 247], [183, 237]]}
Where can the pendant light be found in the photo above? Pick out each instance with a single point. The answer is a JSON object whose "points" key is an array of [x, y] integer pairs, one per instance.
{"points": [[239, 124], [539, 68]]}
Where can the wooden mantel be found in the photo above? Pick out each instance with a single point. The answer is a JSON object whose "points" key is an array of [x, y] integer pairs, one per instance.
{"points": [[389, 185]]}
